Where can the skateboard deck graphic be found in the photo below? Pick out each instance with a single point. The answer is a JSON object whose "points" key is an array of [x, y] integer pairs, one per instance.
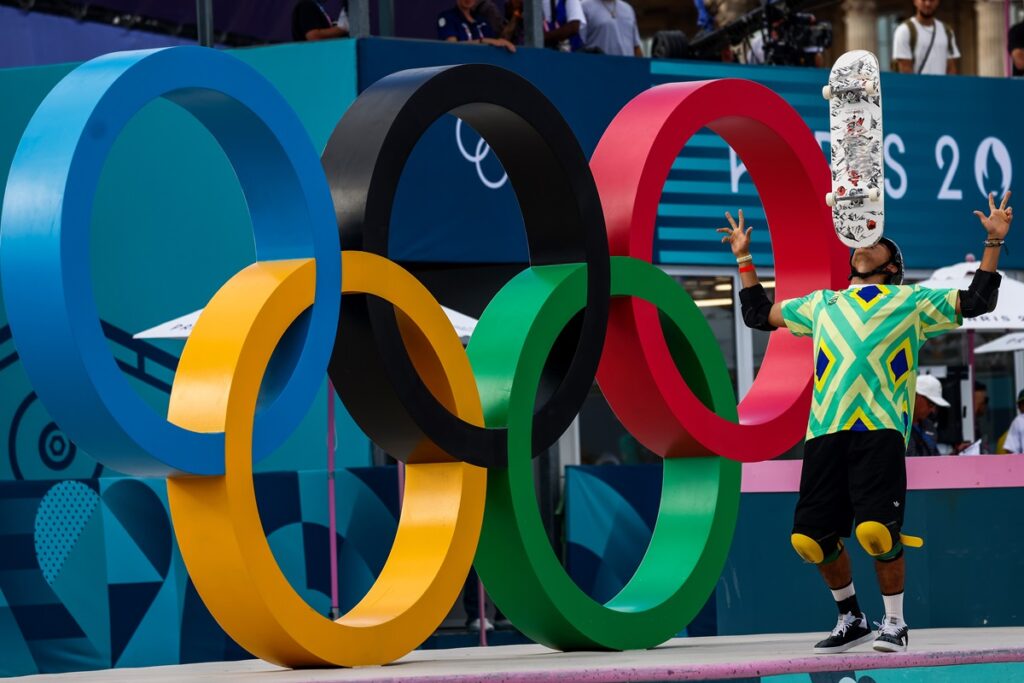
{"points": [[854, 97]]}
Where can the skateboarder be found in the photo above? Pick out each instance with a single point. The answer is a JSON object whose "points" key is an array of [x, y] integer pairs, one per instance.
{"points": [[866, 340]]}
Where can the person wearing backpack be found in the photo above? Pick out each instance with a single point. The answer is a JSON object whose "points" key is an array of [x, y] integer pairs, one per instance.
{"points": [[923, 44]]}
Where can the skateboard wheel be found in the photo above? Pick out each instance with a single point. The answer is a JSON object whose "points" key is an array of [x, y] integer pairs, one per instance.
{"points": [[871, 88], [826, 92], [830, 198], [874, 193]]}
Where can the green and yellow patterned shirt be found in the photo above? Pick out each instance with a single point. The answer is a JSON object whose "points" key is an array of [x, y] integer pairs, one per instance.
{"points": [[866, 341]]}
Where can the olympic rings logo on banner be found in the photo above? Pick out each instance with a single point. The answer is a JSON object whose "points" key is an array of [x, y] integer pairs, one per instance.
{"points": [[466, 422], [477, 158]]}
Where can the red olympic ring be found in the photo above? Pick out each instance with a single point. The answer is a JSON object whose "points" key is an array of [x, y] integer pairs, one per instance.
{"points": [[786, 164]]}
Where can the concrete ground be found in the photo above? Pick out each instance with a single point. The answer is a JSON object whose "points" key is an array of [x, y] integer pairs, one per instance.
{"points": [[680, 659]]}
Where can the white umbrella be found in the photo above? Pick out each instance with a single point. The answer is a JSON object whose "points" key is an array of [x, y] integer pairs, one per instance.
{"points": [[463, 324], [1008, 342], [1009, 313], [181, 328]]}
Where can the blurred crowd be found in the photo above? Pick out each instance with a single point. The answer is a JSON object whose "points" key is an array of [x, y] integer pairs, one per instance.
{"points": [[921, 44], [600, 26], [603, 26]]}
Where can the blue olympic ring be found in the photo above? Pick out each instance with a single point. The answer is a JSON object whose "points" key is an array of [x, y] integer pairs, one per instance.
{"points": [[44, 262]]}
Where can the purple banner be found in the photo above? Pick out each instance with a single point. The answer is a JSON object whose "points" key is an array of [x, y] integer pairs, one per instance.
{"points": [[35, 38]]}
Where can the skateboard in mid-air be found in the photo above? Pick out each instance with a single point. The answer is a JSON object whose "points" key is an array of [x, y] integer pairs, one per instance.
{"points": [[854, 95]]}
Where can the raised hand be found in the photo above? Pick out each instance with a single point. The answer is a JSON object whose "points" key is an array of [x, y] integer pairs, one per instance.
{"points": [[735, 236], [997, 223]]}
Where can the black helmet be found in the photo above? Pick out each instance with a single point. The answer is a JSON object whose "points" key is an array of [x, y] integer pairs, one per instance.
{"points": [[895, 258]]}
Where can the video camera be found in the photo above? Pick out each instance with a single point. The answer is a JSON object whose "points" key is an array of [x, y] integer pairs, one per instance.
{"points": [[791, 37]]}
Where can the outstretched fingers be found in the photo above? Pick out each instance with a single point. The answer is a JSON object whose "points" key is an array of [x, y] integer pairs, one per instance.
{"points": [[1006, 199], [732, 221]]}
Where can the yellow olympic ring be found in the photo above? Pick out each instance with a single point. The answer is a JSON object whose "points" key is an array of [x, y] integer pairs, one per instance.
{"points": [[216, 518]]}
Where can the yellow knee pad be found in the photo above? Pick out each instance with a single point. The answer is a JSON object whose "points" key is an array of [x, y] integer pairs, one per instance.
{"points": [[877, 540], [807, 548], [811, 551]]}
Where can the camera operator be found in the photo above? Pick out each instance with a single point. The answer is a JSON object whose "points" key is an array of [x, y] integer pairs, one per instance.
{"points": [[753, 52], [774, 33], [783, 35]]}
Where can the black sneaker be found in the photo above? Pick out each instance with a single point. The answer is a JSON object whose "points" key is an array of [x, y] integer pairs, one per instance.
{"points": [[892, 637], [850, 631]]}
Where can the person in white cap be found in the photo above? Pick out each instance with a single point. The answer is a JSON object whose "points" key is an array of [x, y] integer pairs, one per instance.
{"points": [[923, 434]]}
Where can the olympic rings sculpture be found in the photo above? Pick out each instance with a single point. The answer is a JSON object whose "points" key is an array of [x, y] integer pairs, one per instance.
{"points": [[466, 422]]}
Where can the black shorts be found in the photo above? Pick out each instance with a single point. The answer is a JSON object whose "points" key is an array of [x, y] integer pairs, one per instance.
{"points": [[851, 475]]}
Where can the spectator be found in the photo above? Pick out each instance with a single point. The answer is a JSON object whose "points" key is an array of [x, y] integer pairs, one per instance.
{"points": [[923, 433], [753, 51], [562, 33], [1015, 44], [489, 12], [611, 28], [980, 445], [980, 410], [310, 21], [980, 399], [508, 25], [923, 44], [563, 23], [463, 24], [1015, 437], [512, 28]]}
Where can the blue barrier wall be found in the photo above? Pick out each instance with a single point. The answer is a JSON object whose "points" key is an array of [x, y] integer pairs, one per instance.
{"points": [[90, 575]]}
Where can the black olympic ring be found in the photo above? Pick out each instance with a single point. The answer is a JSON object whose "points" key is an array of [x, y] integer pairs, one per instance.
{"points": [[364, 158]]}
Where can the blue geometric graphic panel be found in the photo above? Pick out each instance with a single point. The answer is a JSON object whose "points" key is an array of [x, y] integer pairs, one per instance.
{"points": [[92, 578], [609, 515]]}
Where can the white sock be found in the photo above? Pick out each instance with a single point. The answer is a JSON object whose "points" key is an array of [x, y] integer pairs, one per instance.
{"points": [[894, 608], [844, 592]]}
